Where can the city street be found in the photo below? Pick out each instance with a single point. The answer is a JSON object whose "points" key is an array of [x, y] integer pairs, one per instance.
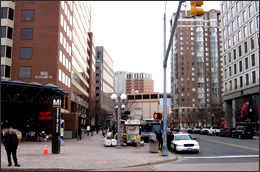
{"points": [[218, 154]]}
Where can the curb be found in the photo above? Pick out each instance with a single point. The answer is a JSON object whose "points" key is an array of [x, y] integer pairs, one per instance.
{"points": [[61, 169]]}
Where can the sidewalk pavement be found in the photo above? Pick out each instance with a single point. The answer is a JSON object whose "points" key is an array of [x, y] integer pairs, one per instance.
{"points": [[86, 154]]}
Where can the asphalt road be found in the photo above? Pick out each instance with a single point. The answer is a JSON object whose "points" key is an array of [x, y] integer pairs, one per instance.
{"points": [[217, 154]]}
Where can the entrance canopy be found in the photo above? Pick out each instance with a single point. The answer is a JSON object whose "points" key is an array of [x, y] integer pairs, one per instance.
{"points": [[15, 91]]}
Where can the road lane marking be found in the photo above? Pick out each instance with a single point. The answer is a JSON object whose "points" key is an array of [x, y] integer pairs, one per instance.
{"points": [[230, 144], [234, 156]]}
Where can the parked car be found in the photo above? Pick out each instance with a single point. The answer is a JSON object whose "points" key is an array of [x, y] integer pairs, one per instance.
{"points": [[226, 131], [184, 142], [204, 131], [189, 130], [214, 131], [196, 130], [243, 132]]}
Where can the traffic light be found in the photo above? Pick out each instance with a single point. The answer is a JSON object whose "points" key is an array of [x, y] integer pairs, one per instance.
{"points": [[195, 10], [157, 116], [124, 115]]}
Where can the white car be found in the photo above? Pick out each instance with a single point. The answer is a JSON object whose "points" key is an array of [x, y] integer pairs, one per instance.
{"points": [[184, 142]]}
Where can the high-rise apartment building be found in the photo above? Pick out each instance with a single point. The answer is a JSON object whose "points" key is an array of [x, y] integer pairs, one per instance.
{"points": [[240, 26], [105, 82], [196, 71], [142, 82], [7, 28], [52, 43], [120, 81]]}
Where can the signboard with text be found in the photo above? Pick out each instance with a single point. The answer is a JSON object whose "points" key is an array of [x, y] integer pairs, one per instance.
{"points": [[56, 114]]}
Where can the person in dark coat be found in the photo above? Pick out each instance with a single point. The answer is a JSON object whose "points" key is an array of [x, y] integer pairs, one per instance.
{"points": [[169, 139], [11, 143], [159, 138], [91, 129], [79, 131]]}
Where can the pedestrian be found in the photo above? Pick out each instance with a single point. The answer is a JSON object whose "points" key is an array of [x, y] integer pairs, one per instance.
{"points": [[105, 131], [97, 128], [88, 129], [159, 138], [79, 133], [11, 144], [91, 129]]}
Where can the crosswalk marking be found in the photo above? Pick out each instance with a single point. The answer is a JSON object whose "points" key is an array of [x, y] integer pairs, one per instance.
{"points": [[232, 156]]}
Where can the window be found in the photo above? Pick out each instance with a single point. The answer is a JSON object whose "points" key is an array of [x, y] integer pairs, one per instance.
{"points": [[241, 81], [233, 26], [224, 33], [244, 16], [257, 22], [3, 31], [239, 35], [223, 21], [246, 63], [235, 83], [243, 3], [229, 44], [239, 51], [25, 52], [247, 79], [245, 31], [227, 15], [238, 21], [252, 43], [237, 7], [2, 70], [234, 54], [253, 77], [256, 6], [253, 59], [27, 33], [227, 4], [230, 71], [240, 66], [250, 10], [230, 85], [27, 15], [225, 60], [234, 39], [235, 69], [245, 46], [2, 51], [228, 30], [225, 73], [251, 27], [25, 72], [4, 12], [232, 12]]}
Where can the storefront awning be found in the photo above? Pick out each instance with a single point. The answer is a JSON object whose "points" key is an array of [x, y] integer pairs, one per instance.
{"points": [[15, 91]]}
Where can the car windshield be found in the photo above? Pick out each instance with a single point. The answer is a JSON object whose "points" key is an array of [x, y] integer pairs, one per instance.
{"points": [[216, 128], [182, 137]]}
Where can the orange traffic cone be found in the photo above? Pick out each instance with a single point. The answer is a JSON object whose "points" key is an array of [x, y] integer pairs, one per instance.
{"points": [[45, 152]]}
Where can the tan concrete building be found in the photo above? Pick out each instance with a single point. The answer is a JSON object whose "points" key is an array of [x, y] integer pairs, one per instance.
{"points": [[240, 28]]}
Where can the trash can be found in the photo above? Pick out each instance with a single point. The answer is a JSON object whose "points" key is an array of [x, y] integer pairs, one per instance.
{"points": [[154, 146]]}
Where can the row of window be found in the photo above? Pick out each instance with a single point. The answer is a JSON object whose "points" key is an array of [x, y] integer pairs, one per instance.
{"points": [[66, 27], [63, 59], [240, 66], [6, 51], [6, 71], [228, 16], [239, 51], [7, 13], [240, 80], [245, 29], [6, 32], [65, 44], [64, 78]]}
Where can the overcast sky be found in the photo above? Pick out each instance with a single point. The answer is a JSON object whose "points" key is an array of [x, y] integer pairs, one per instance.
{"points": [[132, 34]]}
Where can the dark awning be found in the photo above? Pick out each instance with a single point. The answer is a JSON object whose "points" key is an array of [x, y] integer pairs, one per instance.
{"points": [[15, 91]]}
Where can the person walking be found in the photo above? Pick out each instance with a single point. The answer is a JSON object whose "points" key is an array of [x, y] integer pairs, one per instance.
{"points": [[159, 138], [88, 129], [97, 128], [79, 133], [11, 144], [91, 129]]}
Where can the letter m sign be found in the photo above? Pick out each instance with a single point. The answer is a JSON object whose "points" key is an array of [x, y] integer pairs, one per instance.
{"points": [[56, 102]]}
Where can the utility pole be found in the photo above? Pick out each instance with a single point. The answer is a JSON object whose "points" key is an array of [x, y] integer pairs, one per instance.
{"points": [[166, 54]]}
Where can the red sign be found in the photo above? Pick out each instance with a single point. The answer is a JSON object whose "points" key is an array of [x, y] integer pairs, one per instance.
{"points": [[245, 106], [223, 123], [45, 116]]}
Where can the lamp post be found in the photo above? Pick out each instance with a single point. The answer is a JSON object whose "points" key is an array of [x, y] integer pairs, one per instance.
{"points": [[120, 105], [212, 119]]}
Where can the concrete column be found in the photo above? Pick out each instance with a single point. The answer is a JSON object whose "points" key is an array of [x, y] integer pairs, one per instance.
{"points": [[233, 113], [228, 113]]}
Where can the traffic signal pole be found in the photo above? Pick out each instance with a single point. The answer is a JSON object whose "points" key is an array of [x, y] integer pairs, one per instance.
{"points": [[166, 54]]}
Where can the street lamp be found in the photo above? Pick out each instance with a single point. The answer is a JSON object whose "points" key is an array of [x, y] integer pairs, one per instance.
{"points": [[118, 105], [212, 118]]}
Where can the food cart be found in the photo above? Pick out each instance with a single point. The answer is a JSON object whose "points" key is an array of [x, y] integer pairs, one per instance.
{"points": [[132, 132]]}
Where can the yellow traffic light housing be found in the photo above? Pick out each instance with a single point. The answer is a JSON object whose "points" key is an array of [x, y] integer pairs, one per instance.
{"points": [[196, 11], [157, 116]]}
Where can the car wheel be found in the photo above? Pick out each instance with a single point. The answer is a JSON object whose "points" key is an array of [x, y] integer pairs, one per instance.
{"points": [[175, 149], [197, 151], [240, 136]]}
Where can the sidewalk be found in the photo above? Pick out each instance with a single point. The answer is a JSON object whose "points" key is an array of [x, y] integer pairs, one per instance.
{"points": [[86, 154]]}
